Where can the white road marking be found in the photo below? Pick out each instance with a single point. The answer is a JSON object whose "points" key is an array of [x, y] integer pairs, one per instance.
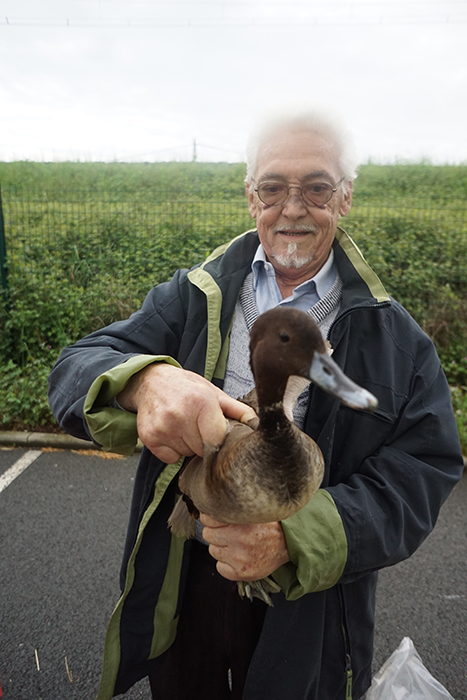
{"points": [[18, 468]]}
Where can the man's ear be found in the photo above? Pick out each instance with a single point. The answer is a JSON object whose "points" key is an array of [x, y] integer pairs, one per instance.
{"points": [[252, 199], [347, 201]]}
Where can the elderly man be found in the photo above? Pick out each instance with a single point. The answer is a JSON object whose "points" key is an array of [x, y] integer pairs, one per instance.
{"points": [[171, 373]]}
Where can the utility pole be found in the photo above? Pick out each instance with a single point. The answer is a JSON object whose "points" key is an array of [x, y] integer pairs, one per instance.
{"points": [[194, 150]]}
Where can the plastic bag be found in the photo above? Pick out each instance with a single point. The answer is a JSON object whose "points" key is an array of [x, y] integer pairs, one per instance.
{"points": [[404, 677]]}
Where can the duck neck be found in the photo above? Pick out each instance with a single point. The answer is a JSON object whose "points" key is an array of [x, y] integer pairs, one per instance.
{"points": [[273, 422], [270, 392]]}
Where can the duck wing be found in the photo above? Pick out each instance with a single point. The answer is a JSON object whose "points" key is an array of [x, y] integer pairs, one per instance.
{"points": [[211, 481]]}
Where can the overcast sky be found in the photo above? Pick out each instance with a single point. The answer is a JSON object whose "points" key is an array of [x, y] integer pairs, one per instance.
{"points": [[142, 79]]}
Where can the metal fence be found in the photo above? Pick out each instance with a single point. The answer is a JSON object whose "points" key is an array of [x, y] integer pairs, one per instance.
{"points": [[111, 247], [80, 236]]}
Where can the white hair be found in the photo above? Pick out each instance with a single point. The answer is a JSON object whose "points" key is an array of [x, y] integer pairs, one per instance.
{"points": [[317, 120]]}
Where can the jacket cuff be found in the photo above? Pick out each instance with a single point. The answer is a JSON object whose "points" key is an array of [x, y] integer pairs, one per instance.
{"points": [[114, 429], [317, 547]]}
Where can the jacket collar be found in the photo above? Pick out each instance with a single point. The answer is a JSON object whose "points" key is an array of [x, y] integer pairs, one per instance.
{"points": [[362, 286]]}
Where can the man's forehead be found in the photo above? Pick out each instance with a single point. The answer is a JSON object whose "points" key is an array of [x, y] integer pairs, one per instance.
{"points": [[312, 175], [312, 152]]}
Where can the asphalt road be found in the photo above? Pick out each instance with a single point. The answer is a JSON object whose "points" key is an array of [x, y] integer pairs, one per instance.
{"points": [[62, 528]]}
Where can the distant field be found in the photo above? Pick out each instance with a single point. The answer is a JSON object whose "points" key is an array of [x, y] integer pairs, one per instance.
{"points": [[439, 184], [85, 242]]}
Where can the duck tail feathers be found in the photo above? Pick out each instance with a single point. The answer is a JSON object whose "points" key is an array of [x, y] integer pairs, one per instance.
{"points": [[181, 522]]}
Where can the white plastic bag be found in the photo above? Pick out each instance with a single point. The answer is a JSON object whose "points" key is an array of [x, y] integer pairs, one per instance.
{"points": [[404, 677]]}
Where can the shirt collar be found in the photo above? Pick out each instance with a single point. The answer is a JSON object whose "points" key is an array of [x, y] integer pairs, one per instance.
{"points": [[321, 282]]}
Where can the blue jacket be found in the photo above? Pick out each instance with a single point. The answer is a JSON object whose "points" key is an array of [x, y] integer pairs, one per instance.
{"points": [[387, 474]]}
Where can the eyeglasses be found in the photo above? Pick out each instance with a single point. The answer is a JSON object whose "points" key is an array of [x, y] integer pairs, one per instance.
{"points": [[315, 192]]}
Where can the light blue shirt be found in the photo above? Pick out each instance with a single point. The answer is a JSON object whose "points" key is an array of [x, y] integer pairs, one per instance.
{"points": [[303, 297]]}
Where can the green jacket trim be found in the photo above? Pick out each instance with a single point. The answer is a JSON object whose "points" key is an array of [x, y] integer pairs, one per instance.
{"points": [[112, 428], [164, 614], [317, 546], [203, 280], [221, 366], [355, 256], [165, 609]]}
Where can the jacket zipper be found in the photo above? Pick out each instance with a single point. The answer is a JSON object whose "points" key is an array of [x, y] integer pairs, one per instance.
{"points": [[345, 635], [380, 304]]}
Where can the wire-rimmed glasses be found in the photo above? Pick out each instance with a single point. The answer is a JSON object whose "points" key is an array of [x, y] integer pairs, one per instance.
{"points": [[315, 192]]}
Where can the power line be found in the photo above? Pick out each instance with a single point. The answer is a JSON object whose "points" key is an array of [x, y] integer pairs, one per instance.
{"points": [[209, 13], [194, 146], [271, 3], [251, 22], [231, 13]]}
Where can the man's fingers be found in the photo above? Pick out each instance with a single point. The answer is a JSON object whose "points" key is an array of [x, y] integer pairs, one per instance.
{"points": [[211, 419], [211, 424], [168, 448], [227, 571], [236, 409], [250, 552], [165, 454], [207, 521]]}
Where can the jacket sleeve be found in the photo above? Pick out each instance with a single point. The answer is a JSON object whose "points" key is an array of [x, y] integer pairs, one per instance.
{"points": [[151, 334], [318, 558], [390, 475], [110, 426], [391, 504]]}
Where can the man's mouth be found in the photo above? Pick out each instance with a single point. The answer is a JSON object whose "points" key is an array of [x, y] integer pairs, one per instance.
{"points": [[296, 232]]}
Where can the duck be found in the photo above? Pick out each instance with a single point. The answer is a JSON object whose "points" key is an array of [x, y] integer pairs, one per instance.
{"points": [[267, 469]]}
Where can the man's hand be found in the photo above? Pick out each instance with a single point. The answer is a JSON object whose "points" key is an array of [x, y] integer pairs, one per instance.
{"points": [[245, 552], [178, 411]]}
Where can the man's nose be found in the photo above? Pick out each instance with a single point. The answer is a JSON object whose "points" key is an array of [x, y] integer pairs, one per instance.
{"points": [[294, 207]]}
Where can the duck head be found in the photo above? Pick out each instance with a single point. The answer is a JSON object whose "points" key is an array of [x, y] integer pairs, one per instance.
{"points": [[288, 342]]}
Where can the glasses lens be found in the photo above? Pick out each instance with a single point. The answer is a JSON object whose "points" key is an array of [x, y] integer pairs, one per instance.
{"points": [[317, 193], [272, 192]]}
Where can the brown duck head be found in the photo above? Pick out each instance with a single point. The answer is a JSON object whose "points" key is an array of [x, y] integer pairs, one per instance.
{"points": [[287, 342]]}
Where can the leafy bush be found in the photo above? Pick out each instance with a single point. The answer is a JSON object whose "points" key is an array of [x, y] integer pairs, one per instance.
{"points": [[423, 267], [459, 402], [23, 396]]}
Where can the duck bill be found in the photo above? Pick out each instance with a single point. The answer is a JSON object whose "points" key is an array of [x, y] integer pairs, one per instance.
{"points": [[328, 375]]}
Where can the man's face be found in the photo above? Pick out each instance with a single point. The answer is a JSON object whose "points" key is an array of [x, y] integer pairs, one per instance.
{"points": [[296, 235]]}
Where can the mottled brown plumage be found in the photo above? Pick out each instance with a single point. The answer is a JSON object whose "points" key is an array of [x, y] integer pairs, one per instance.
{"points": [[253, 479]]}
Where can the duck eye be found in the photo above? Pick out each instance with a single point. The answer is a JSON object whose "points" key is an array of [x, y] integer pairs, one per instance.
{"points": [[284, 337]]}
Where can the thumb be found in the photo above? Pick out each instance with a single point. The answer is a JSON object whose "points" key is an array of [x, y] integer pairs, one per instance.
{"points": [[212, 425], [236, 409]]}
